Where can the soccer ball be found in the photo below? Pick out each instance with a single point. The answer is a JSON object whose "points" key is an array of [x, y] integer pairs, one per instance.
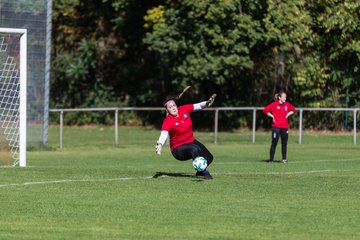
{"points": [[199, 164]]}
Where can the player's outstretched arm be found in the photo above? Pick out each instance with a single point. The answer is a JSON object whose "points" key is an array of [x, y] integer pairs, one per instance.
{"points": [[204, 104], [158, 147], [161, 141], [211, 100]]}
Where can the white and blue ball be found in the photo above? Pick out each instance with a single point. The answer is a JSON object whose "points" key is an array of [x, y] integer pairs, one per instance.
{"points": [[199, 163]]}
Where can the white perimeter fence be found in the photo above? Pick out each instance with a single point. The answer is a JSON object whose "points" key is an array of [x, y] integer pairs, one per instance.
{"points": [[216, 111]]}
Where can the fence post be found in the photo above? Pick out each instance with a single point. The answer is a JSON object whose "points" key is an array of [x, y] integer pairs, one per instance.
{"points": [[300, 125], [61, 128], [216, 124], [116, 127], [254, 125], [354, 126], [216, 119]]}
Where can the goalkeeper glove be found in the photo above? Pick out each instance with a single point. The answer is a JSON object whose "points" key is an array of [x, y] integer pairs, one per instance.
{"points": [[158, 148], [211, 100]]}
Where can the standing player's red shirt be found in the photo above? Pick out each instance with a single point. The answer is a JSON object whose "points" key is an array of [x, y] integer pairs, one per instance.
{"points": [[279, 111], [179, 128]]}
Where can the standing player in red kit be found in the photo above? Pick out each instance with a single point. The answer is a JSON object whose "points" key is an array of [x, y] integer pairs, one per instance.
{"points": [[178, 126], [279, 111]]}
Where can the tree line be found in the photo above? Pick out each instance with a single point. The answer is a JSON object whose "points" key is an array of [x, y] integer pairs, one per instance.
{"points": [[134, 53]]}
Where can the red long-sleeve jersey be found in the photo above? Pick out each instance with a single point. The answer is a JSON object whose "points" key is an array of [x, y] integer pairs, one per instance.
{"points": [[279, 111], [179, 128]]}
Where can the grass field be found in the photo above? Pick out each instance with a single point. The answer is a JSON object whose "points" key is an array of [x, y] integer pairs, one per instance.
{"points": [[93, 190]]}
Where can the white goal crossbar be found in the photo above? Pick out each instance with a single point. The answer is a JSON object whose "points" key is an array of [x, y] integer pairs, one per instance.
{"points": [[22, 93]]}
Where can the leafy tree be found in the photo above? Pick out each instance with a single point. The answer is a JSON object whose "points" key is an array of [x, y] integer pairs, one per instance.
{"points": [[286, 31], [329, 76], [90, 44], [206, 44], [128, 52]]}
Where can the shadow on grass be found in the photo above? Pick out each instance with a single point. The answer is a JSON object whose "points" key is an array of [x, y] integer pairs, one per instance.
{"points": [[166, 174], [182, 175]]}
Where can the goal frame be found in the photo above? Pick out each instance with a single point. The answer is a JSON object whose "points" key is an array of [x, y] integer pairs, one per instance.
{"points": [[23, 91]]}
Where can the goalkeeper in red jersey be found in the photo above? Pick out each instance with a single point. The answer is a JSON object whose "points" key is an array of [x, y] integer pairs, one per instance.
{"points": [[178, 126], [279, 111]]}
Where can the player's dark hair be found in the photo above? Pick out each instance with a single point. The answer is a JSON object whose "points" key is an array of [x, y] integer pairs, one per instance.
{"points": [[169, 98]]}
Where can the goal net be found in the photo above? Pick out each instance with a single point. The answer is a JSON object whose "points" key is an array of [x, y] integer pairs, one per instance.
{"points": [[13, 97]]}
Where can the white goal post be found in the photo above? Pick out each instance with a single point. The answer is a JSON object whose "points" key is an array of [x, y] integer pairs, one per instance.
{"points": [[13, 93]]}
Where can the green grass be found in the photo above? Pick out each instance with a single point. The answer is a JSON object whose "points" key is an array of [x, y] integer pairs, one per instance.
{"points": [[93, 190]]}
